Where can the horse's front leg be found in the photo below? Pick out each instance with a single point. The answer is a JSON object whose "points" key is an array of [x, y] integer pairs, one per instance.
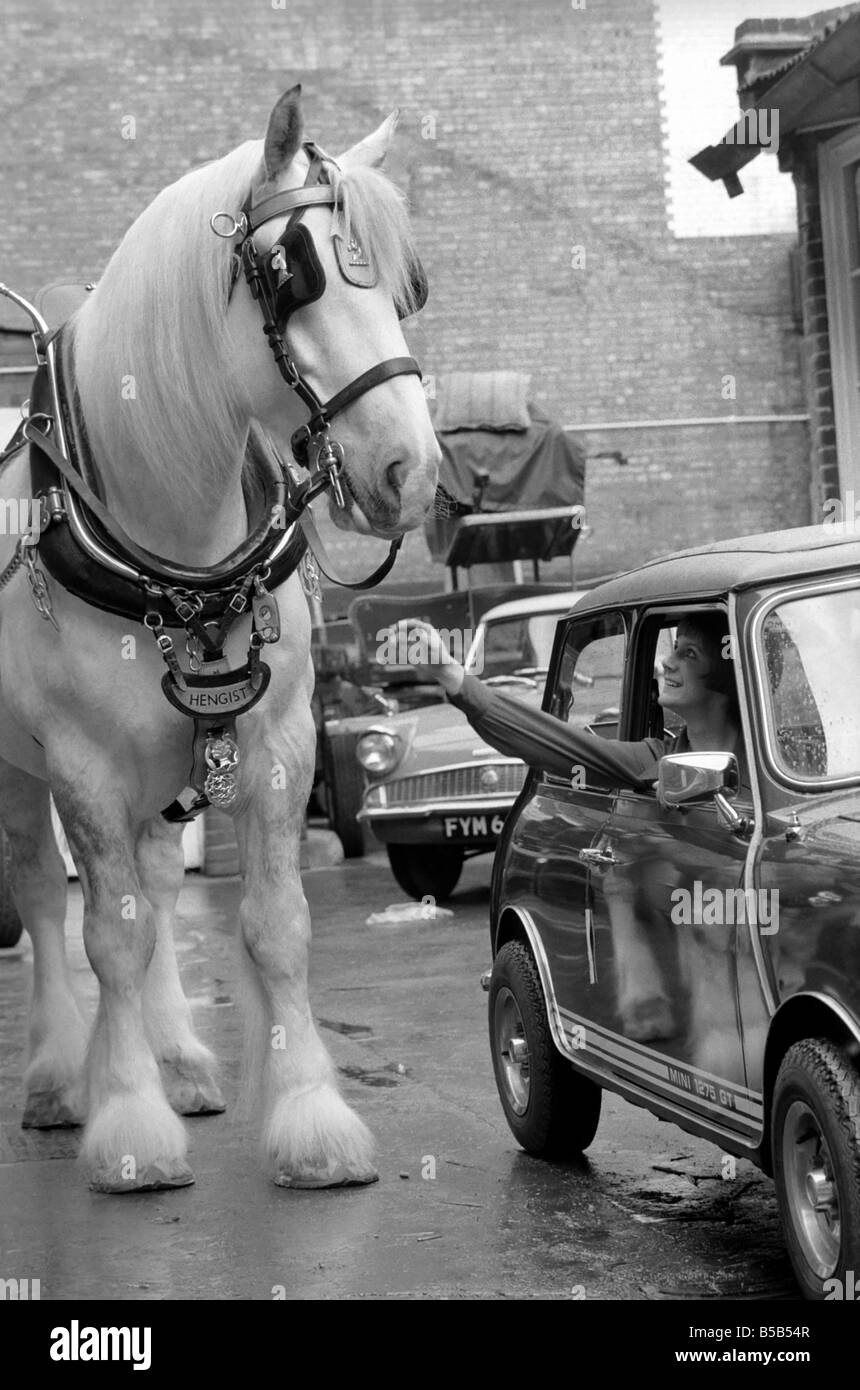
{"points": [[133, 1140], [58, 1034], [311, 1137], [187, 1067]]}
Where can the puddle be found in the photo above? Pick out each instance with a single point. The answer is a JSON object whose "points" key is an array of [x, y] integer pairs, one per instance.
{"points": [[368, 1077], [349, 1030]]}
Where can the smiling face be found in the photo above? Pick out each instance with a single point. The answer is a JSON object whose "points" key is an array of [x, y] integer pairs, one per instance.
{"points": [[691, 672]]}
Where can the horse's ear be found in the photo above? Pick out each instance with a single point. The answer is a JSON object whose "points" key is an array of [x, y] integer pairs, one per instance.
{"points": [[373, 148], [284, 135]]}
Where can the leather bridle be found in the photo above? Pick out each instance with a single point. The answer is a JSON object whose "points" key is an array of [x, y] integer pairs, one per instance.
{"points": [[284, 279]]}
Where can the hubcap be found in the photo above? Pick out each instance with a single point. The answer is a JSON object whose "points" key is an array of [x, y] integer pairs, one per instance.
{"points": [[512, 1050], [813, 1197]]}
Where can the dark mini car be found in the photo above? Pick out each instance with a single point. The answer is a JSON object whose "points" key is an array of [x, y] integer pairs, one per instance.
{"points": [[695, 946]]}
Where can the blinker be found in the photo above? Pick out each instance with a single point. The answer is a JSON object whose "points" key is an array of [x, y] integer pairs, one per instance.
{"points": [[293, 272]]}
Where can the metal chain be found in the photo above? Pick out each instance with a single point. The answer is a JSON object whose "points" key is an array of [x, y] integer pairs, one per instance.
{"points": [[194, 650], [39, 590], [41, 594]]}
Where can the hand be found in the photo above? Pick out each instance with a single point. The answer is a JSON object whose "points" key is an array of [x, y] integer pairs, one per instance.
{"points": [[427, 654]]}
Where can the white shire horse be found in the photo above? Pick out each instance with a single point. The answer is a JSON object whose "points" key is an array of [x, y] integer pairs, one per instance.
{"points": [[170, 368]]}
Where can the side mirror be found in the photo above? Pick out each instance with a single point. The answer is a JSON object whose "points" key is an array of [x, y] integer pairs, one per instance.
{"points": [[687, 777]]}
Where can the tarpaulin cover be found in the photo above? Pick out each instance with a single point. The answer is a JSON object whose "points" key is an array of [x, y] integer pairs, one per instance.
{"points": [[528, 469], [539, 467]]}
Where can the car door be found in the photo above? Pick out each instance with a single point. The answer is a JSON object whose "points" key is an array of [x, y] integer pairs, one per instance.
{"points": [[666, 897], [562, 817]]}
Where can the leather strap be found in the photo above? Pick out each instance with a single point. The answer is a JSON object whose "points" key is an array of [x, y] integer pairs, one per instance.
{"points": [[280, 203], [254, 550], [374, 376], [151, 565], [85, 492], [315, 542]]}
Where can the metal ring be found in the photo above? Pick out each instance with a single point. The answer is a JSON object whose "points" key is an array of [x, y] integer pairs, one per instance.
{"points": [[237, 224], [31, 420]]}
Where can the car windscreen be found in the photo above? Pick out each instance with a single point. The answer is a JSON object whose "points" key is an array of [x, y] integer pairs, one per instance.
{"points": [[510, 645], [811, 659]]}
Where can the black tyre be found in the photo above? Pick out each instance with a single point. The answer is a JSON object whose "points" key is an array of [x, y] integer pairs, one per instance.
{"points": [[344, 783], [553, 1111], [10, 922], [815, 1134], [427, 871]]}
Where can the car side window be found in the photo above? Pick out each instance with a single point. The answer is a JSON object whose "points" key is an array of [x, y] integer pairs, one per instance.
{"points": [[587, 692]]}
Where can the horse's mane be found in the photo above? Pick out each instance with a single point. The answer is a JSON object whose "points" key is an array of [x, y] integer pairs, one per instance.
{"points": [[152, 354]]}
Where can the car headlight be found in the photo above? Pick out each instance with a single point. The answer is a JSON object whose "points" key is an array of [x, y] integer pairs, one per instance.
{"points": [[378, 752]]}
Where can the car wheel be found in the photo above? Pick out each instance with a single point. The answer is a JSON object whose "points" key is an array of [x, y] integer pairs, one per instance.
{"points": [[552, 1109], [344, 786], [815, 1132], [10, 922], [427, 871]]}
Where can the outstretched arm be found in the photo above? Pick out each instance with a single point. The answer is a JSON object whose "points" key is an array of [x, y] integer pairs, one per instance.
{"points": [[520, 731]]}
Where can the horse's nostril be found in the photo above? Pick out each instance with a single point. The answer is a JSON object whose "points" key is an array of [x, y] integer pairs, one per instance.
{"points": [[394, 474]]}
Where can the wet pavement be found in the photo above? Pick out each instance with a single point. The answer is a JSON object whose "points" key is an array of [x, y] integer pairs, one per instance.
{"points": [[459, 1211]]}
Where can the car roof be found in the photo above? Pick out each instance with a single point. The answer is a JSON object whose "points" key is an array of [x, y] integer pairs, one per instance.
{"points": [[542, 603], [712, 571]]}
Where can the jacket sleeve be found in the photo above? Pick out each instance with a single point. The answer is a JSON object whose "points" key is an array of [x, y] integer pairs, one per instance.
{"points": [[541, 740]]}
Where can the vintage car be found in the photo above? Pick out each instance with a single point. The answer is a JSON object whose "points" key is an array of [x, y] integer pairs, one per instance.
{"points": [[694, 946], [437, 793]]}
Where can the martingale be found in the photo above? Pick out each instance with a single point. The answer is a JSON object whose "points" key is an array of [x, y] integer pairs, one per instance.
{"points": [[86, 550]]}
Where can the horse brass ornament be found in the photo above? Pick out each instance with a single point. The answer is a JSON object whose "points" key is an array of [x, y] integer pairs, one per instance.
{"points": [[222, 759]]}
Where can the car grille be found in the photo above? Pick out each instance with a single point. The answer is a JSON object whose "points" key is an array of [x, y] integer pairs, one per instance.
{"points": [[456, 783]]}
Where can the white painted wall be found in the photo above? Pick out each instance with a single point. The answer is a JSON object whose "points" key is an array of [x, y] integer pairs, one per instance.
{"points": [[700, 104]]}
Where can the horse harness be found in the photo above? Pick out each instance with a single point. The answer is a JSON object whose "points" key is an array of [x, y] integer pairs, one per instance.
{"points": [[86, 550]]}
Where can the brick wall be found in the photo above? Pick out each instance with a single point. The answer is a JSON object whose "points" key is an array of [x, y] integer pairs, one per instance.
{"points": [[526, 130]]}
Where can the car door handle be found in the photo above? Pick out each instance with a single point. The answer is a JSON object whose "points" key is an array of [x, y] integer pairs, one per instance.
{"points": [[597, 856]]}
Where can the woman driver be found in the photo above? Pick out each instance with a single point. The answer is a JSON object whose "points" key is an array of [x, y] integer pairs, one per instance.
{"points": [[698, 684]]}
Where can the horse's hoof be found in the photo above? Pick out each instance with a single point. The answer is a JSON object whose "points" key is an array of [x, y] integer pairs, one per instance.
{"points": [[50, 1110], [189, 1094], [153, 1178], [334, 1175], [202, 1103], [187, 1099]]}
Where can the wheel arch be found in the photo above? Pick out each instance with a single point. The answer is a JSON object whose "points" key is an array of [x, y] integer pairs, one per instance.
{"points": [[510, 927], [807, 1015]]}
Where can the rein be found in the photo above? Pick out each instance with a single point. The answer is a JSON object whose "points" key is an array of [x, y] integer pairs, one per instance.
{"points": [[90, 554]]}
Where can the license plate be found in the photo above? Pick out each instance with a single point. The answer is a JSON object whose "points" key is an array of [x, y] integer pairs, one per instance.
{"points": [[473, 827]]}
